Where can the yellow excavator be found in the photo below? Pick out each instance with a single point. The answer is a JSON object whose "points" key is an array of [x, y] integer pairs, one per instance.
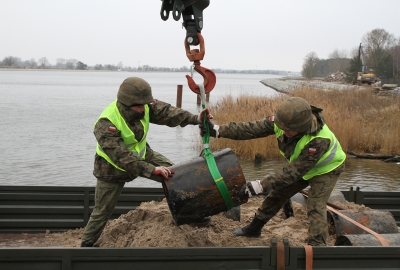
{"points": [[365, 76]]}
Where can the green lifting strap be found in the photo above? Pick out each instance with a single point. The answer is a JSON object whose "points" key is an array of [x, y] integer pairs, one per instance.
{"points": [[212, 166]]}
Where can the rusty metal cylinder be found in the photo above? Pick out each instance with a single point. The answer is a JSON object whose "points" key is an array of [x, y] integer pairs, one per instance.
{"points": [[381, 222], [367, 240], [192, 193], [336, 196]]}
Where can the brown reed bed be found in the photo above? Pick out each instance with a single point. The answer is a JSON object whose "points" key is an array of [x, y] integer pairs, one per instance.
{"points": [[362, 121]]}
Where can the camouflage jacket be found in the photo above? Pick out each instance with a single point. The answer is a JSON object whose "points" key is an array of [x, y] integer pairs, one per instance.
{"points": [[262, 128], [111, 142]]}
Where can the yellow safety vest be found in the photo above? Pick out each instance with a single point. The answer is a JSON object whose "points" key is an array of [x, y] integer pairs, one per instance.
{"points": [[332, 159], [138, 148]]}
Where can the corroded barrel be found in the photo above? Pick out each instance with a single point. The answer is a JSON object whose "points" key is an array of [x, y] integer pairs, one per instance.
{"points": [[367, 240], [379, 221], [336, 196], [192, 193], [376, 220]]}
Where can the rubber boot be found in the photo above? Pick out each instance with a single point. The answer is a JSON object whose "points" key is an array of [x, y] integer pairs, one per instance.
{"points": [[86, 244], [317, 240], [251, 230]]}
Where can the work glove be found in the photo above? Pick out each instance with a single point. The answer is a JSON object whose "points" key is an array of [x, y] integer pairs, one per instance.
{"points": [[164, 172], [251, 188], [201, 115], [213, 129]]}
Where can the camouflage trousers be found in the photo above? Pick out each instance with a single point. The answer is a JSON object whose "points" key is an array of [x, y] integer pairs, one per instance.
{"points": [[321, 187], [106, 197]]}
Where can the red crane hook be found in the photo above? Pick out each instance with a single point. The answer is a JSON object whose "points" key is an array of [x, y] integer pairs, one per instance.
{"points": [[209, 79], [195, 56]]}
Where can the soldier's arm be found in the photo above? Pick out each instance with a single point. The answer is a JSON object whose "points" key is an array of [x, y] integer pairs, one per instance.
{"points": [[110, 140], [162, 113], [294, 171], [247, 130]]}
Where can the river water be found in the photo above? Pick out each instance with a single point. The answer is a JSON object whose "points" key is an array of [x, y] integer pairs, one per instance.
{"points": [[47, 118]]}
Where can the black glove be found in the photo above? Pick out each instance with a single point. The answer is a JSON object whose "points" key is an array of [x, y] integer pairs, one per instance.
{"points": [[213, 129], [288, 209], [244, 192]]}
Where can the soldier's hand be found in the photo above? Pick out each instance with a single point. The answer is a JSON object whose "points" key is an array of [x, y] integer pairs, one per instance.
{"points": [[206, 112], [251, 188], [213, 129], [164, 172]]}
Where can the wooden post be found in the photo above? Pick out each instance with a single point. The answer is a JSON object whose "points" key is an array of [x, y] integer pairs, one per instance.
{"points": [[179, 96], [199, 99]]}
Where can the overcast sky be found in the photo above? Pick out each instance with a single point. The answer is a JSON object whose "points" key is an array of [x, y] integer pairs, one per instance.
{"points": [[252, 34]]}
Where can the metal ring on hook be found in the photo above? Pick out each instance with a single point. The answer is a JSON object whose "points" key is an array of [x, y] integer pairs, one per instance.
{"points": [[195, 54]]}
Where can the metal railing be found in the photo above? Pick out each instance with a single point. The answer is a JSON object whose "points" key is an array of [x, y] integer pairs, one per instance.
{"points": [[41, 208]]}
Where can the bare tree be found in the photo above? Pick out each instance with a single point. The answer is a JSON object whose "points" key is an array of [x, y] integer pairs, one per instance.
{"points": [[310, 65], [110, 67], [11, 61], [71, 63], [354, 52], [43, 62], [339, 60], [29, 63], [338, 54], [98, 67], [377, 44], [395, 53], [184, 69], [32, 63], [61, 63], [120, 66]]}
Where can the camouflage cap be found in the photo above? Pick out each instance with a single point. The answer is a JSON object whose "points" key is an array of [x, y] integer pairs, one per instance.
{"points": [[294, 114], [134, 91]]}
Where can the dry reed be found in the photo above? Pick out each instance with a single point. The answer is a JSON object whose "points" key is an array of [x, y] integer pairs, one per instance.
{"points": [[362, 121]]}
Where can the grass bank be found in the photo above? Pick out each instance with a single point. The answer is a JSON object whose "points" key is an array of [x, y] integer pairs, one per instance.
{"points": [[362, 121]]}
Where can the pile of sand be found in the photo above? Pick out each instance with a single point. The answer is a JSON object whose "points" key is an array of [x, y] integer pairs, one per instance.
{"points": [[151, 225]]}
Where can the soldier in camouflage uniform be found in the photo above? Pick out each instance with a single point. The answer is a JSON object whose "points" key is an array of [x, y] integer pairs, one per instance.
{"points": [[315, 158], [122, 152]]}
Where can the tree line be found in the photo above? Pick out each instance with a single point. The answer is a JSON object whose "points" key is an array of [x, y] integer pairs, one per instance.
{"points": [[382, 56], [43, 62], [73, 64]]}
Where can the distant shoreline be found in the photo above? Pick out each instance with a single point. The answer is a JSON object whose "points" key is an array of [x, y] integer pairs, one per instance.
{"points": [[216, 71], [77, 70], [286, 84]]}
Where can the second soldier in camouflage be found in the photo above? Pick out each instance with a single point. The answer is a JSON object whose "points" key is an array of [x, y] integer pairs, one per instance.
{"points": [[315, 158]]}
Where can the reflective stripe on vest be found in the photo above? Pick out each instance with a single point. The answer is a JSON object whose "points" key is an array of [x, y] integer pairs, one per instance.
{"points": [[332, 159], [138, 148]]}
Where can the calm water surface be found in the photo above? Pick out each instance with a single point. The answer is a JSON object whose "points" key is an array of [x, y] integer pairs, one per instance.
{"points": [[47, 121]]}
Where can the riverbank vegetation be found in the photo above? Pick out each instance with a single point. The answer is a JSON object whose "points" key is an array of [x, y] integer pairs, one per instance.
{"points": [[381, 53], [362, 121]]}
